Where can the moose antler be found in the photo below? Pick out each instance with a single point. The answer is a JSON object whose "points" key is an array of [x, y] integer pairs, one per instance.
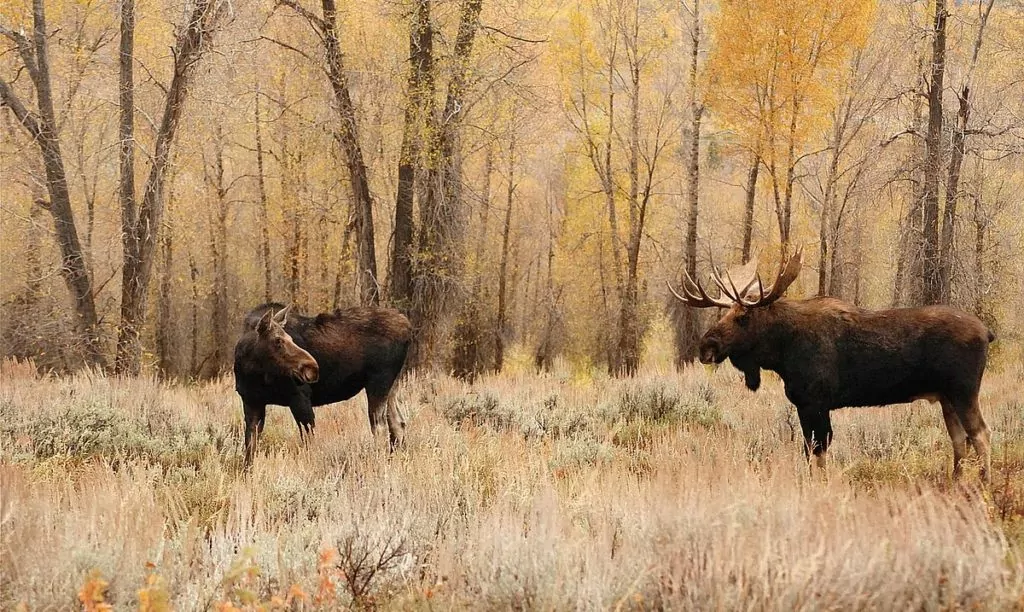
{"points": [[695, 296], [281, 316], [731, 292], [789, 269]]}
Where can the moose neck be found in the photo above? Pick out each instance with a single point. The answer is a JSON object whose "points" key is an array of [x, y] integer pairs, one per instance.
{"points": [[777, 329]]}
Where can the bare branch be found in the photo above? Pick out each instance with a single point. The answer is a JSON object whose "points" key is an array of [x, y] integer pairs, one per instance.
{"points": [[25, 117]]}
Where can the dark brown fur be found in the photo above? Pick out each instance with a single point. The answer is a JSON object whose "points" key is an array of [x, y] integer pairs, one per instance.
{"points": [[354, 349], [831, 355]]}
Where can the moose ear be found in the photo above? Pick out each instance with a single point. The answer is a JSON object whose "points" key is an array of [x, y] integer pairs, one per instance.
{"points": [[264, 323], [282, 315]]}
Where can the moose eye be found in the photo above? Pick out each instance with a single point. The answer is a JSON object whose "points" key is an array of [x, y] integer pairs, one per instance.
{"points": [[742, 320], [278, 342]]}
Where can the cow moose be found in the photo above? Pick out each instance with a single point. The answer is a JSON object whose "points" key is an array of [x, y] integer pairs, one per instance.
{"points": [[287, 359], [831, 354]]}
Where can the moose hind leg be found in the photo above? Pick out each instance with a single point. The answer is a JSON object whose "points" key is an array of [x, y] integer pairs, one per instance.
{"points": [[957, 435], [396, 423], [375, 406], [977, 434]]}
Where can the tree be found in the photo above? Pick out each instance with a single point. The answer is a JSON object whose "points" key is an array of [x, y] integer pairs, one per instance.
{"points": [[933, 160], [956, 157], [687, 320], [419, 112], [326, 27], [439, 247], [41, 126], [141, 220], [769, 66]]}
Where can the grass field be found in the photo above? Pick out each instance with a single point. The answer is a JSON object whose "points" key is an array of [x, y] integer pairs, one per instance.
{"points": [[678, 491]]}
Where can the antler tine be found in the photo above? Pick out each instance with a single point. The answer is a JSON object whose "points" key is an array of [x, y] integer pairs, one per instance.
{"points": [[760, 290], [678, 297], [716, 277], [789, 269], [738, 295], [700, 299], [692, 289]]}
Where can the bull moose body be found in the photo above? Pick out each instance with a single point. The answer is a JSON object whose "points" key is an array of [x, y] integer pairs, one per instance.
{"points": [[287, 359], [831, 354]]}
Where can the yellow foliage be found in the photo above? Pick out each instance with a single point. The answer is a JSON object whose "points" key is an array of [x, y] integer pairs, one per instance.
{"points": [[774, 62], [93, 593], [154, 596]]}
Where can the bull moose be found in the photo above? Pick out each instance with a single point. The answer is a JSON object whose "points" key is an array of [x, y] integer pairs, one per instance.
{"points": [[287, 359], [831, 354]]}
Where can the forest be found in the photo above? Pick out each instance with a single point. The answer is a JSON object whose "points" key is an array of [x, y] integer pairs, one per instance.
{"points": [[524, 180], [519, 178]]}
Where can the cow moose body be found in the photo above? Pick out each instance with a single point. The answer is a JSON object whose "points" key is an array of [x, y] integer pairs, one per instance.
{"points": [[831, 354], [287, 359]]}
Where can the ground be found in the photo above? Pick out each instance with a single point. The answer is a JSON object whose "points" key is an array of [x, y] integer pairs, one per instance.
{"points": [[566, 491]]}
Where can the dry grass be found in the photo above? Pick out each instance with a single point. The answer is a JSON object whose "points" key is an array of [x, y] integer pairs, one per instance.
{"points": [[675, 491]]}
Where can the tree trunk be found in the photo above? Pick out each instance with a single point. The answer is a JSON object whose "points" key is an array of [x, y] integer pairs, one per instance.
{"points": [[264, 212], [980, 227], [296, 259], [608, 179], [219, 249], [138, 261], [366, 254], [547, 346], [43, 130], [952, 198], [858, 255], [165, 313], [787, 205], [193, 274], [440, 258], [485, 209], [418, 113], [500, 323], [629, 325], [688, 333], [955, 161], [933, 161], [748, 208], [825, 226]]}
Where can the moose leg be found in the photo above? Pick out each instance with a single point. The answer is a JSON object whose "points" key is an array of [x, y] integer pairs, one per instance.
{"points": [[255, 415], [957, 435], [817, 429], [375, 410], [396, 423], [302, 410], [977, 434]]}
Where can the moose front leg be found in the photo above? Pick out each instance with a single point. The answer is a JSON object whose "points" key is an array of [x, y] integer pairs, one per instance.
{"points": [[817, 429], [302, 411], [255, 415]]}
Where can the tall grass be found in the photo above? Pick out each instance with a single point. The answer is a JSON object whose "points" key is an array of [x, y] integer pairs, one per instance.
{"points": [[677, 491]]}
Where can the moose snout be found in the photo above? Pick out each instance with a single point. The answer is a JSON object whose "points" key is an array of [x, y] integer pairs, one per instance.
{"points": [[309, 372], [710, 351]]}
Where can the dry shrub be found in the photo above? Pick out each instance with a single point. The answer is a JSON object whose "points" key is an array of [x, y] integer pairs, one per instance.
{"points": [[521, 491]]}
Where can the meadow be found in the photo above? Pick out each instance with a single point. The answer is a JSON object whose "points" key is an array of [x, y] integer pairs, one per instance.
{"points": [[522, 491]]}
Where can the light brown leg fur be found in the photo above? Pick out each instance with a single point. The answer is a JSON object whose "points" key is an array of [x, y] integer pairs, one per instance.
{"points": [[957, 435], [375, 410], [396, 423], [977, 435]]}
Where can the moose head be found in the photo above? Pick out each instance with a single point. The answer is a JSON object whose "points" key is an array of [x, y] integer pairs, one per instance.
{"points": [[280, 351], [747, 333]]}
